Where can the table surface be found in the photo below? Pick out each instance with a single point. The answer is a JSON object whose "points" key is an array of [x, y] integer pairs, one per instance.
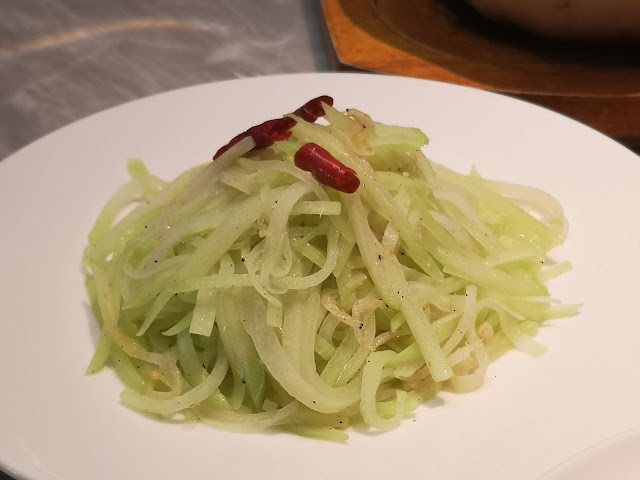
{"points": [[61, 60]]}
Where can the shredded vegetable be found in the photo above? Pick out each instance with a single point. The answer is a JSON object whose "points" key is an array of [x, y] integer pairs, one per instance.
{"points": [[249, 293]]}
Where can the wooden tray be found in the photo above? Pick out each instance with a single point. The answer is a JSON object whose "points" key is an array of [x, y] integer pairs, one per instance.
{"points": [[446, 40]]}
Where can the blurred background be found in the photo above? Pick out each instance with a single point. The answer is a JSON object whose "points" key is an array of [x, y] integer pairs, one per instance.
{"points": [[61, 60]]}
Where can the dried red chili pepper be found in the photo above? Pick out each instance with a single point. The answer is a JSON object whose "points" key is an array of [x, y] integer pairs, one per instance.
{"points": [[264, 135], [326, 168], [312, 110]]}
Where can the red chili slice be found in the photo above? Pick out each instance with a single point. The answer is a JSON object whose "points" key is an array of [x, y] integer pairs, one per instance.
{"points": [[312, 110], [265, 134], [326, 169]]}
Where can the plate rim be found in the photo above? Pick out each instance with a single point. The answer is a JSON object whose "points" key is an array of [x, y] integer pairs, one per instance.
{"points": [[394, 76]]}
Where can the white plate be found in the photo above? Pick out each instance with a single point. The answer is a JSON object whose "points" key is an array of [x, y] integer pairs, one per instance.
{"points": [[616, 458], [55, 423]]}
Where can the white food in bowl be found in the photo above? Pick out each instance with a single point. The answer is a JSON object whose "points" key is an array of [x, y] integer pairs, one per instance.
{"points": [[568, 18]]}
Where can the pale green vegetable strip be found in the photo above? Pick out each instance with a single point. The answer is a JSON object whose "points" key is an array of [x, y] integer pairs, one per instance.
{"points": [[467, 320], [237, 396], [251, 263], [446, 230], [155, 259], [126, 344], [519, 219], [328, 327], [158, 305], [498, 346], [515, 255], [397, 321], [522, 341], [204, 313], [211, 281], [218, 243], [498, 307], [126, 195], [309, 251], [166, 406], [325, 400], [309, 417], [126, 371], [347, 294], [344, 251], [370, 382], [334, 369], [243, 357], [134, 222], [530, 328], [318, 432], [412, 138], [147, 290], [274, 314], [249, 422], [389, 409], [293, 326], [301, 283], [562, 311], [195, 373], [208, 176], [542, 201], [277, 228], [312, 312], [324, 348], [474, 380], [354, 365], [388, 278], [554, 271], [183, 324], [483, 275], [100, 355], [304, 177], [317, 207], [467, 217], [407, 369]]}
